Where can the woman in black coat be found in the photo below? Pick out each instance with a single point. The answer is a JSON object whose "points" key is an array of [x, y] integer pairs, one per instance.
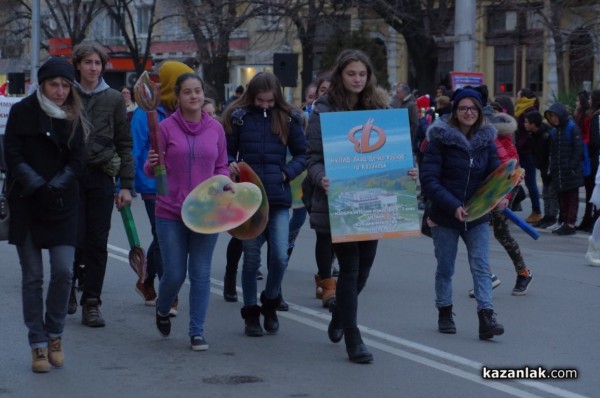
{"points": [[44, 149]]}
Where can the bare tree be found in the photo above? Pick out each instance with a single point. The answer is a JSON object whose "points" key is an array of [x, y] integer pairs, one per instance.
{"points": [[212, 24], [307, 16], [419, 22], [70, 19], [570, 41], [122, 12], [14, 27]]}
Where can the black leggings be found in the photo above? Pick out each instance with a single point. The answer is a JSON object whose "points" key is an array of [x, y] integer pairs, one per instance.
{"points": [[324, 254], [355, 260], [234, 253]]}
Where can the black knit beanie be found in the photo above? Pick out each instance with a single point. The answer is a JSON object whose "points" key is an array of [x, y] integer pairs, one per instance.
{"points": [[56, 67]]}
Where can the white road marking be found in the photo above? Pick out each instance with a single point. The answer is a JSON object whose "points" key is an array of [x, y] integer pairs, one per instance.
{"points": [[217, 289]]}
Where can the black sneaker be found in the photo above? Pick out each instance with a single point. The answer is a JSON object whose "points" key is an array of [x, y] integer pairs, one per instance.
{"points": [[259, 276], [522, 285], [198, 343], [564, 229], [545, 222], [163, 324]]}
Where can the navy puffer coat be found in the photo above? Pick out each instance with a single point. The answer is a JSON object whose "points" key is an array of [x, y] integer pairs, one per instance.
{"points": [[253, 142], [454, 167], [566, 156]]}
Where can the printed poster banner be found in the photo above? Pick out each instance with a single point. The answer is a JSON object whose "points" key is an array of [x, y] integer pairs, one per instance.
{"points": [[5, 104], [462, 79], [367, 158]]}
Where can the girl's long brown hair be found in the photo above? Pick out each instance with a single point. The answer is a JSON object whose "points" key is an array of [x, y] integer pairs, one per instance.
{"points": [[282, 111], [369, 98]]}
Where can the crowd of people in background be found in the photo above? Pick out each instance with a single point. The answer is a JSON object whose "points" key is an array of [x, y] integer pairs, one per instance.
{"points": [[97, 154]]}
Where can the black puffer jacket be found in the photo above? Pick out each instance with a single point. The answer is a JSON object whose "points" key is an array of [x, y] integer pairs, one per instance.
{"points": [[253, 142], [566, 156], [454, 167]]}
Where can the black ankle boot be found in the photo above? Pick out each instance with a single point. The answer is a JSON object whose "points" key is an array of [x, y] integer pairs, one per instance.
{"points": [[488, 327], [283, 306], [335, 331], [91, 315], [445, 320], [72, 301], [229, 292], [251, 315], [356, 349], [269, 311]]}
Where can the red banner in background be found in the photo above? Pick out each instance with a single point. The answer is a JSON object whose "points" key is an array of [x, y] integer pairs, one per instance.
{"points": [[60, 47]]}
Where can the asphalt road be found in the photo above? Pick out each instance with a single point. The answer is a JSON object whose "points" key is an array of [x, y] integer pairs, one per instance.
{"points": [[555, 326]]}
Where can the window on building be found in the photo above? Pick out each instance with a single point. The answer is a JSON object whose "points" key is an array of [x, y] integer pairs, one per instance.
{"points": [[504, 70], [534, 69], [502, 21], [271, 18], [113, 28], [534, 20], [143, 20], [445, 65]]}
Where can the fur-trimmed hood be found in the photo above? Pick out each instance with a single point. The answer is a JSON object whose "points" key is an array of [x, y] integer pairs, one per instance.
{"points": [[505, 124], [447, 134]]}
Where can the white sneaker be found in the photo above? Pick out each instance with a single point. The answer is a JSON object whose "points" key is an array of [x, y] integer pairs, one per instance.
{"points": [[593, 253], [495, 283]]}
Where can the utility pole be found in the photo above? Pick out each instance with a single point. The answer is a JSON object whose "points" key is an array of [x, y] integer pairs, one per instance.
{"points": [[35, 40], [464, 32]]}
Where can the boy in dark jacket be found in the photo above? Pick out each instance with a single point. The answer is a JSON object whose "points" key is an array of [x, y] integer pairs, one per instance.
{"points": [[540, 133], [566, 168]]}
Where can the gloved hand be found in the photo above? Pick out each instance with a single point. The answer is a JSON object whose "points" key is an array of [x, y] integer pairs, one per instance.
{"points": [[61, 181], [49, 197]]}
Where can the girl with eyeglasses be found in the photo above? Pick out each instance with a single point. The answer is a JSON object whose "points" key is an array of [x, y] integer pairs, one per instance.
{"points": [[460, 154]]}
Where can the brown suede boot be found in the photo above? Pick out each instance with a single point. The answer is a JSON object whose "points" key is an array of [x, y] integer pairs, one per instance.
{"points": [[39, 360], [319, 289], [328, 286]]}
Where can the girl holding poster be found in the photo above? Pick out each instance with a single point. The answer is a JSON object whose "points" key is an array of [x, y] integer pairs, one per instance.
{"points": [[353, 87]]}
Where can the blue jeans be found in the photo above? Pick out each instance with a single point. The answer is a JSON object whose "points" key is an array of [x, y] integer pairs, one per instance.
{"points": [[531, 182], [276, 235], [296, 222], [184, 251], [477, 240], [51, 324]]}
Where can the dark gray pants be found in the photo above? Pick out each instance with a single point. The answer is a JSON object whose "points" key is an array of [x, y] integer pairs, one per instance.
{"points": [[32, 289]]}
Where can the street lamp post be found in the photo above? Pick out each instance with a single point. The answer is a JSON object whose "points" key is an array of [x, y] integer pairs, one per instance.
{"points": [[464, 32], [35, 40]]}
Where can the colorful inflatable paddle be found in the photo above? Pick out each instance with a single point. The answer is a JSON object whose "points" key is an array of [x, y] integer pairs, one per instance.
{"points": [[210, 208], [147, 97], [137, 257], [257, 223], [495, 187], [296, 187]]}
